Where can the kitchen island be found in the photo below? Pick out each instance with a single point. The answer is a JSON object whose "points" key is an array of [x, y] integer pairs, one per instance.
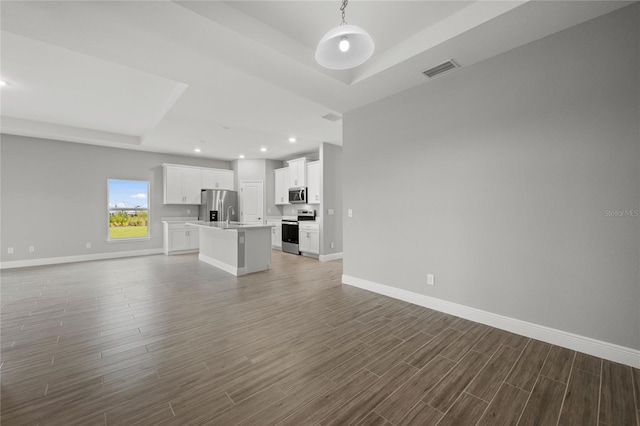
{"points": [[237, 248]]}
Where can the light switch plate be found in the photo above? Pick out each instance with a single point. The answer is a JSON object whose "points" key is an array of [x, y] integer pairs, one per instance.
{"points": [[350, 213], [330, 212]]}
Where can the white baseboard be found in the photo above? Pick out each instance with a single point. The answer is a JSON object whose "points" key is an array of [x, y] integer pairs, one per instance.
{"points": [[328, 257], [79, 258], [221, 265], [609, 351]]}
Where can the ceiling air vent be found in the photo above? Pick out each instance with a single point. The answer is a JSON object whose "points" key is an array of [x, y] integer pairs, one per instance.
{"points": [[332, 117], [439, 69]]}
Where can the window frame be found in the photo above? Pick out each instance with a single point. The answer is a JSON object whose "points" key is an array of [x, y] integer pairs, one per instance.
{"points": [[147, 209]]}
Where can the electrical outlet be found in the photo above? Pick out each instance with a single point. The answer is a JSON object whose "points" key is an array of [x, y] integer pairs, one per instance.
{"points": [[350, 213], [32, 249], [333, 245], [10, 250], [431, 279], [88, 245], [330, 212], [188, 211]]}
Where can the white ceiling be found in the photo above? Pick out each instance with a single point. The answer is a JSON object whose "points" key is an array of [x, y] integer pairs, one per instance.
{"points": [[232, 77]]}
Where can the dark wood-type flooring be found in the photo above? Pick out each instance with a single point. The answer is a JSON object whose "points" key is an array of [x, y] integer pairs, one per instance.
{"points": [[163, 340]]}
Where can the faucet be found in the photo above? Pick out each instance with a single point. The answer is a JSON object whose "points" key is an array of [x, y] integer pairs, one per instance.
{"points": [[229, 214]]}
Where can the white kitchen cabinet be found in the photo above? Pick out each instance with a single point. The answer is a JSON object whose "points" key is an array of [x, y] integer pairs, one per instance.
{"points": [[181, 185], [276, 233], [217, 179], [180, 238], [298, 172], [313, 182], [282, 186], [309, 238]]}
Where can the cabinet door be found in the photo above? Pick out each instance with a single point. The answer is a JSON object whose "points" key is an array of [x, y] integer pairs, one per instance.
{"points": [[293, 174], [217, 179], [279, 184], [178, 240], [298, 170], [304, 240], [226, 179], [276, 233], [194, 238], [286, 184], [173, 186], [313, 178], [314, 242], [210, 179], [191, 180], [282, 186], [278, 236]]}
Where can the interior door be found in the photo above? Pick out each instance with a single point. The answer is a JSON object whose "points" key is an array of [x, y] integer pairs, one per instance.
{"points": [[251, 201]]}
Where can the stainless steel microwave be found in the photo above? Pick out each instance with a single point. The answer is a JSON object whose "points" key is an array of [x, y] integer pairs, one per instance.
{"points": [[298, 195]]}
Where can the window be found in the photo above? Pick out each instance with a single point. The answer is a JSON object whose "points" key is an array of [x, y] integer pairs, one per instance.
{"points": [[128, 209]]}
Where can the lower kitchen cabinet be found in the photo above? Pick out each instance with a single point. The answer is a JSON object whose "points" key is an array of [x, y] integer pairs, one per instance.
{"points": [[309, 238], [179, 238], [276, 233]]}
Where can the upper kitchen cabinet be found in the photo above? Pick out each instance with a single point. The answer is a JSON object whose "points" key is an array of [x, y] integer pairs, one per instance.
{"points": [[217, 179], [181, 184], [282, 186], [297, 172], [313, 182]]}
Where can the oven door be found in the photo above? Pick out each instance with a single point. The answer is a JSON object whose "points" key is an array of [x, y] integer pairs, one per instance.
{"points": [[290, 237], [297, 195]]}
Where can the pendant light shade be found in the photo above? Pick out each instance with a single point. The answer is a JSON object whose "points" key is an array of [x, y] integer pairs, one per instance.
{"points": [[344, 47]]}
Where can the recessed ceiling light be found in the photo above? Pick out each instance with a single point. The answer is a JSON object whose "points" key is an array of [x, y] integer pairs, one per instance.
{"points": [[263, 149], [292, 139], [197, 149], [241, 156]]}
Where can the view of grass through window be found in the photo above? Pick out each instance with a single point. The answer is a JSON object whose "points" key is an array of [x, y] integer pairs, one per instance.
{"points": [[128, 209]]}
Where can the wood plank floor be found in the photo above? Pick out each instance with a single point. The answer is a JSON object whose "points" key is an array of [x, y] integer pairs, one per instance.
{"points": [[163, 340]]}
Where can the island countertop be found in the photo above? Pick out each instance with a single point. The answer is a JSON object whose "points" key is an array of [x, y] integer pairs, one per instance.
{"points": [[230, 226]]}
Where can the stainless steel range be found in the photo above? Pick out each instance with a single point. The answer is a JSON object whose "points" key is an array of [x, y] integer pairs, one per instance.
{"points": [[290, 242]]}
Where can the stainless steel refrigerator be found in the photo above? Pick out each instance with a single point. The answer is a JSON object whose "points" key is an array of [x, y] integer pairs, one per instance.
{"points": [[216, 204]]}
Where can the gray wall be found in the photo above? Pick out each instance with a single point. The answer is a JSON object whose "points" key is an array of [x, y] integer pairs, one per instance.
{"points": [[331, 188], [54, 195], [497, 178]]}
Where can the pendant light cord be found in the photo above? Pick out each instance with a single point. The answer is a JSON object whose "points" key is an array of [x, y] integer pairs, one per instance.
{"points": [[342, 8]]}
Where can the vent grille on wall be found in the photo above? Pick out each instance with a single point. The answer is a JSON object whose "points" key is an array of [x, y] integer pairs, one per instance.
{"points": [[332, 117], [439, 69]]}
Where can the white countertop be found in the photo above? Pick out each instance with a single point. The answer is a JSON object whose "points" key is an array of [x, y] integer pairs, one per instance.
{"points": [[230, 226]]}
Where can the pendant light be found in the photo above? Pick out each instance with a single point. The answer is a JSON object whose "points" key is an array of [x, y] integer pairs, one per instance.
{"points": [[345, 46]]}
